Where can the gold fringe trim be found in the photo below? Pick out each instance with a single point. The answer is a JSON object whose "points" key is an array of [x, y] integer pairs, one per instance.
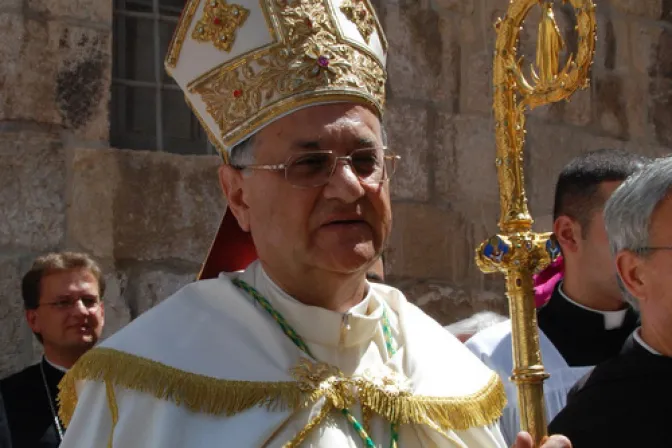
{"points": [[114, 411], [459, 413], [202, 394], [198, 393]]}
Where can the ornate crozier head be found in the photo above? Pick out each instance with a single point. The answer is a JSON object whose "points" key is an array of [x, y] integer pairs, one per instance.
{"points": [[243, 64]]}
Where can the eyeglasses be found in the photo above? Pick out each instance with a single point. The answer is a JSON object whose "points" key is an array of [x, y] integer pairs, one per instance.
{"points": [[315, 168], [91, 303]]}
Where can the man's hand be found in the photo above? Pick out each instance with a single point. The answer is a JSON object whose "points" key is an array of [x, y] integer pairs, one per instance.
{"points": [[524, 440]]}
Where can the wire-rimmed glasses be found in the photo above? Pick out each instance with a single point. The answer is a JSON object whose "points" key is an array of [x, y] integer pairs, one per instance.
{"points": [[315, 168]]}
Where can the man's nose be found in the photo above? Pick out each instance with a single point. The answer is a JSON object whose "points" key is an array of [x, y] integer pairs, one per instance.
{"points": [[344, 183], [80, 308]]}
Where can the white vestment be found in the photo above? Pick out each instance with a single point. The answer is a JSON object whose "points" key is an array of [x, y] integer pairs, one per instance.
{"points": [[152, 384], [493, 346]]}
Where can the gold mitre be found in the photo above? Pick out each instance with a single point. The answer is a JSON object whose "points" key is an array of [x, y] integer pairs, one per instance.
{"points": [[243, 64]]}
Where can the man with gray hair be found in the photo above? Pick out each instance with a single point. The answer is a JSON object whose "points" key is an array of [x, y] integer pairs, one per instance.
{"points": [[633, 392]]}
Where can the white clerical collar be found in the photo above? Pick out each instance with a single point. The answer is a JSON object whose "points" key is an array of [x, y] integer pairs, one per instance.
{"points": [[641, 342], [316, 324], [612, 319], [55, 366]]}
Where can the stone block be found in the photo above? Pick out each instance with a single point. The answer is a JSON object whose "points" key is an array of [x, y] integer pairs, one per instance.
{"points": [[32, 190], [465, 173], [408, 136], [11, 6], [429, 242], [666, 14], [652, 9], [660, 110], [83, 79], [476, 91], [644, 40], [448, 303], [166, 207], [151, 288], [579, 109], [117, 311], [636, 98], [548, 149], [93, 186], [59, 74], [612, 51], [452, 6], [611, 109], [86, 10], [424, 59], [15, 335], [663, 61]]}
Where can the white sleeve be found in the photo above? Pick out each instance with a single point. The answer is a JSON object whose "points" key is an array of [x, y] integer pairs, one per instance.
{"points": [[91, 423]]}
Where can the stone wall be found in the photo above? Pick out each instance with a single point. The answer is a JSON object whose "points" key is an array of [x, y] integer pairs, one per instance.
{"points": [[149, 217]]}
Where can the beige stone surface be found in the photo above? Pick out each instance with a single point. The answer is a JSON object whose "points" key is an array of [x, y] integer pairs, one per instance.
{"points": [[430, 242], [93, 185], [155, 286], [66, 69], [466, 176], [168, 206], [89, 10], [32, 186], [426, 55], [408, 137], [117, 310], [15, 335], [652, 9], [447, 303]]}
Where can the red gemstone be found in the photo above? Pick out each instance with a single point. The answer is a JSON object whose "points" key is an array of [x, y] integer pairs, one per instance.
{"points": [[323, 61], [237, 93], [216, 21]]}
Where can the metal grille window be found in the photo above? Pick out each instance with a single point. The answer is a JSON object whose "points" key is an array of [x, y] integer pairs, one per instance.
{"points": [[148, 110]]}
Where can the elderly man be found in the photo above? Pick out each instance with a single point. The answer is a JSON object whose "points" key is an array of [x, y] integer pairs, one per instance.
{"points": [[586, 320], [297, 348], [62, 297], [632, 392]]}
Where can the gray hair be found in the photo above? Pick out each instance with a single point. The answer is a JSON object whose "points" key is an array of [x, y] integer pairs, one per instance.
{"points": [[242, 153], [628, 212], [477, 322]]}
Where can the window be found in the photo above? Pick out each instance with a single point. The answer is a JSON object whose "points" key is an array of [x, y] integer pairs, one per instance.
{"points": [[148, 110]]}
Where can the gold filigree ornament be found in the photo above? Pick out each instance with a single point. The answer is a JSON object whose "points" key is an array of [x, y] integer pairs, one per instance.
{"points": [[314, 61], [359, 13], [318, 379], [219, 23]]}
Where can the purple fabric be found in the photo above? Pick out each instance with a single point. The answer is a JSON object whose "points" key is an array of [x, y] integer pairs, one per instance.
{"points": [[545, 281]]}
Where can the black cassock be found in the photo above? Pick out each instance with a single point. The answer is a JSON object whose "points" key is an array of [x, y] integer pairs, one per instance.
{"points": [[623, 402], [28, 415]]}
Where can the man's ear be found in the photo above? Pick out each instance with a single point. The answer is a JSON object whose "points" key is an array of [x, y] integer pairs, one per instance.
{"points": [[629, 267], [568, 233], [33, 321], [232, 183]]}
